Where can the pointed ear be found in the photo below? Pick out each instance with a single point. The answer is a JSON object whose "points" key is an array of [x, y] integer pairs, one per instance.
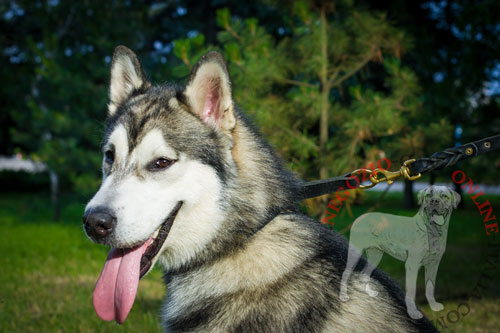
{"points": [[208, 92], [127, 77]]}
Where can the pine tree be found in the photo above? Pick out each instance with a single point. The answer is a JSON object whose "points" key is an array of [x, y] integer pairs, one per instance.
{"points": [[328, 89]]}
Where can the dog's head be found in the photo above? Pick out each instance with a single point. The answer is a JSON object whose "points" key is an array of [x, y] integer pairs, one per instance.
{"points": [[437, 202], [166, 153]]}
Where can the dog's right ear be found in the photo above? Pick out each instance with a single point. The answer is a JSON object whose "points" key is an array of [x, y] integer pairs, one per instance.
{"points": [[127, 77], [421, 195], [456, 198]]}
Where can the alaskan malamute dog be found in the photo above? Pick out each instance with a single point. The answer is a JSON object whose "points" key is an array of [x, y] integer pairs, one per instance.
{"points": [[190, 184]]}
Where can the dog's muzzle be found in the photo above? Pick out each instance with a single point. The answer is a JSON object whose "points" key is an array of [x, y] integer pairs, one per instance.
{"points": [[437, 211], [116, 287]]}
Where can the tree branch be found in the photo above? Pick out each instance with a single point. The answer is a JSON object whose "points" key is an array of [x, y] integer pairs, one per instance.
{"points": [[232, 32], [334, 83], [296, 83], [302, 138], [62, 31]]}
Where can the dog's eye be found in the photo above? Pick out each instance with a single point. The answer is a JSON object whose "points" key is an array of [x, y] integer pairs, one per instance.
{"points": [[109, 155], [162, 163]]}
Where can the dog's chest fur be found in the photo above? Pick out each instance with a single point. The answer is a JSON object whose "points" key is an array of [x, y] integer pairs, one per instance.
{"points": [[248, 280]]}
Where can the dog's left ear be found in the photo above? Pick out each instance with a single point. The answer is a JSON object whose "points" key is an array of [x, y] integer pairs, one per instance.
{"points": [[456, 198], [208, 92]]}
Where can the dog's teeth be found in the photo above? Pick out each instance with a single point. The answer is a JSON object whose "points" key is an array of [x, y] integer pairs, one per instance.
{"points": [[156, 232]]}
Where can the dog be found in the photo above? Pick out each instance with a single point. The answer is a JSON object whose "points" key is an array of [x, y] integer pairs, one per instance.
{"points": [[418, 241], [188, 183]]}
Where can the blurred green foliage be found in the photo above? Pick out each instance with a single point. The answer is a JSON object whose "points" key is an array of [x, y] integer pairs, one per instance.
{"points": [[344, 62], [333, 85], [65, 100]]}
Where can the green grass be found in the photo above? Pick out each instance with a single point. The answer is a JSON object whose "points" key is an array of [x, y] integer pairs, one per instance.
{"points": [[49, 269]]}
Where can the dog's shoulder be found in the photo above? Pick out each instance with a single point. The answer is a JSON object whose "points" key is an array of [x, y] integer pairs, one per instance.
{"points": [[315, 239]]}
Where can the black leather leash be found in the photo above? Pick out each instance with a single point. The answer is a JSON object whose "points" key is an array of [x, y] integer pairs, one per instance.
{"points": [[450, 156], [411, 169], [329, 185]]}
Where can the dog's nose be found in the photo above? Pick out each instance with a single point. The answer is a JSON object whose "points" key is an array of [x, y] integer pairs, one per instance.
{"points": [[434, 201], [98, 222]]}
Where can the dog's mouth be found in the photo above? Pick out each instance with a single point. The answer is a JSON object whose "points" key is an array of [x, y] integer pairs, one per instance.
{"points": [[117, 285], [154, 248], [437, 216]]}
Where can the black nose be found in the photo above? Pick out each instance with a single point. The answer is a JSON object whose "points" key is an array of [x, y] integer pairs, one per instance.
{"points": [[98, 222], [434, 201]]}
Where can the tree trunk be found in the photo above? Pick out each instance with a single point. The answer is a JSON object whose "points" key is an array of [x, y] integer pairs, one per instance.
{"points": [[408, 195], [54, 194], [210, 28]]}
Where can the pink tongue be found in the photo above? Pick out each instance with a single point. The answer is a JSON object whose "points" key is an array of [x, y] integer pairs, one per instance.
{"points": [[115, 291]]}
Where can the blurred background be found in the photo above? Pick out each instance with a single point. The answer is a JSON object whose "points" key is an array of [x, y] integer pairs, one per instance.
{"points": [[333, 85]]}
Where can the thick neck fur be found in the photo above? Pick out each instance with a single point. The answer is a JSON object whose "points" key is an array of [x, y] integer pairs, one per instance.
{"points": [[261, 176], [256, 189]]}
